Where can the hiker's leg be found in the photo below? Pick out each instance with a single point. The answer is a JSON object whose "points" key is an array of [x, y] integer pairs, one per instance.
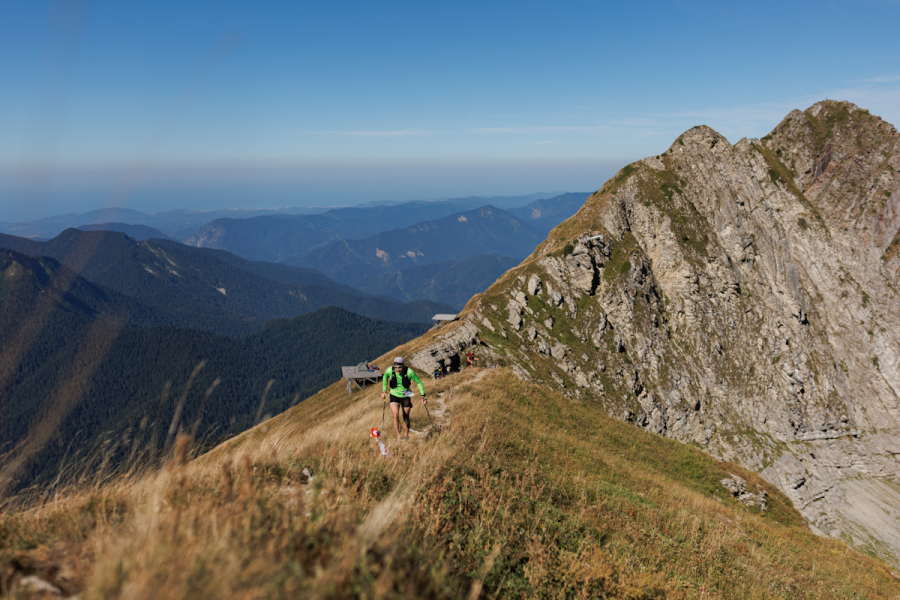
{"points": [[406, 410], [395, 410]]}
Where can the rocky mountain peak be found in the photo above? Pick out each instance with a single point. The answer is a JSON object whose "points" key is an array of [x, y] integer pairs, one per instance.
{"points": [[741, 297]]}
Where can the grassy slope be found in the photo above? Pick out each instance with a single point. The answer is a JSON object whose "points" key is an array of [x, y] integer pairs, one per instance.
{"points": [[523, 493]]}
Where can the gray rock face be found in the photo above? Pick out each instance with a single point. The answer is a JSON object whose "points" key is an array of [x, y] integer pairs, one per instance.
{"points": [[543, 347], [514, 309], [558, 351], [744, 297], [464, 335]]}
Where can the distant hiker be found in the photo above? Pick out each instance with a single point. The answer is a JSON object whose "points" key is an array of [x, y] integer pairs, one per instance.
{"points": [[399, 377], [437, 372], [470, 359]]}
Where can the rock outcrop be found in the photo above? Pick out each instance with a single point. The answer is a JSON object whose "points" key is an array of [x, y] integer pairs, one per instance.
{"points": [[741, 297], [737, 487]]}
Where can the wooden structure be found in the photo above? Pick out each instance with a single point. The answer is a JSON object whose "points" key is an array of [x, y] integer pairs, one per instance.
{"points": [[361, 377], [441, 319]]}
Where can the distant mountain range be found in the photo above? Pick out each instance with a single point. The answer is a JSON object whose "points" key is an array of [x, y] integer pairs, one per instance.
{"points": [[177, 224], [182, 224], [358, 246], [453, 282], [378, 248], [277, 238], [199, 289], [486, 230]]}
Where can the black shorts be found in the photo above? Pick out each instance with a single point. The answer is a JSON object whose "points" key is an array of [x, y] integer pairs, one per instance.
{"points": [[402, 401]]}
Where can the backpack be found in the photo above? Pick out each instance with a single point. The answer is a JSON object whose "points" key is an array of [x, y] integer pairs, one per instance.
{"points": [[404, 380]]}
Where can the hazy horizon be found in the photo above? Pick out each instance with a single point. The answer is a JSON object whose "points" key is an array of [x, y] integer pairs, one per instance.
{"points": [[39, 193], [172, 105]]}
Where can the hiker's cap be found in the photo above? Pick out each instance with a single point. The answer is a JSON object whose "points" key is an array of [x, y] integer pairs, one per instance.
{"points": [[398, 360]]}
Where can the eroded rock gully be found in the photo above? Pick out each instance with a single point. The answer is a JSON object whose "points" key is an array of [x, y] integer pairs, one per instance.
{"points": [[742, 297]]}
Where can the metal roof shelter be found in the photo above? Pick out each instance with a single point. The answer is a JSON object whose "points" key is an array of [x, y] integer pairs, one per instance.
{"points": [[357, 376], [441, 319]]}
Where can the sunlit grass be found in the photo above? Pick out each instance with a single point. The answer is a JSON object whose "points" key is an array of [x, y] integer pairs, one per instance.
{"points": [[521, 494]]}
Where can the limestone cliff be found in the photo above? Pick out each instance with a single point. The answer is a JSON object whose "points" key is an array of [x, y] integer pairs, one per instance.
{"points": [[741, 297]]}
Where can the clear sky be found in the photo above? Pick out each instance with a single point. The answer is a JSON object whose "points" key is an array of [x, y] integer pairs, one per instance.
{"points": [[160, 105]]}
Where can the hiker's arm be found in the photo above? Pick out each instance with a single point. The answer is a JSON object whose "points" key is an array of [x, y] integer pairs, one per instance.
{"points": [[384, 382], [415, 378]]}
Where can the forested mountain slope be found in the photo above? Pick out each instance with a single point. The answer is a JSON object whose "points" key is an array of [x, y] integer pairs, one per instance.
{"points": [[138, 232], [31, 284], [738, 297], [279, 272], [72, 375]]}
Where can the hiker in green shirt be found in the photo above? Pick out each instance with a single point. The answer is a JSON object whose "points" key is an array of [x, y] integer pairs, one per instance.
{"points": [[399, 378]]}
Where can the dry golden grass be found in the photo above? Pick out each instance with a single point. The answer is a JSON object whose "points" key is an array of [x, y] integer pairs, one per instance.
{"points": [[520, 494]]}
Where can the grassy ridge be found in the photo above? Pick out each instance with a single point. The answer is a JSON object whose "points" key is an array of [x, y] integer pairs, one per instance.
{"points": [[522, 494]]}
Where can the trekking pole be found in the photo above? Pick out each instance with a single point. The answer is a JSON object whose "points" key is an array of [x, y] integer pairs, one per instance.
{"points": [[429, 416], [383, 404]]}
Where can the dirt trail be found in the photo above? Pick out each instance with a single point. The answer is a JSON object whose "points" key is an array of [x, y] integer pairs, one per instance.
{"points": [[440, 417], [439, 410]]}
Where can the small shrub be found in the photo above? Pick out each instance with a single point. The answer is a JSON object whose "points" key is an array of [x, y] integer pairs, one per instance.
{"points": [[669, 189], [802, 223]]}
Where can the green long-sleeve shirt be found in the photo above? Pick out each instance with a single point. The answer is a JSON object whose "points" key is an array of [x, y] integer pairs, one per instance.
{"points": [[400, 389]]}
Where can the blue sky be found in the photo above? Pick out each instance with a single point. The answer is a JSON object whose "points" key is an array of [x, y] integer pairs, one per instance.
{"points": [[201, 105]]}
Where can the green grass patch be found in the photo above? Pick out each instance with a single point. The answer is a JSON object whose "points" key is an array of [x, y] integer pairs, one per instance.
{"points": [[619, 263]]}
